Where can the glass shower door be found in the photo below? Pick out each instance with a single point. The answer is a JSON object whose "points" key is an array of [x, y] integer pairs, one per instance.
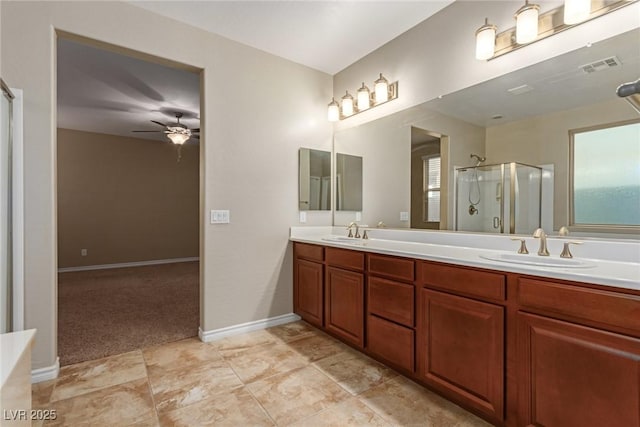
{"points": [[479, 199], [6, 246]]}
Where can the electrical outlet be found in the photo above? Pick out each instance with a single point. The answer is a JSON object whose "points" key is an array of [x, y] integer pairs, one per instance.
{"points": [[220, 217], [358, 216], [303, 216], [83, 252]]}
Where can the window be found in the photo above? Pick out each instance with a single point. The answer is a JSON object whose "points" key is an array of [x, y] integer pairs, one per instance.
{"points": [[431, 189], [605, 176]]}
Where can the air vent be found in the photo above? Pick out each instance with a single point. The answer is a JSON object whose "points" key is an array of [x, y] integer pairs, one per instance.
{"points": [[519, 90], [601, 64]]}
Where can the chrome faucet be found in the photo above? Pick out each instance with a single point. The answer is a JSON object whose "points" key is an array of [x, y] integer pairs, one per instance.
{"points": [[350, 226], [540, 234]]}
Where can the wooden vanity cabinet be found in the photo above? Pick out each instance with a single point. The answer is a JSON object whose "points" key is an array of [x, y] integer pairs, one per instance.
{"points": [[578, 355], [308, 279], [391, 310], [344, 295], [461, 340]]}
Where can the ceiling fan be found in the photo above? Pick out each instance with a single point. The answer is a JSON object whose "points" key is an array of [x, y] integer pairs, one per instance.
{"points": [[177, 132]]}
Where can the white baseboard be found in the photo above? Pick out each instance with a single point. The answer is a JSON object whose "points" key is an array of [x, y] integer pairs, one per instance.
{"points": [[216, 334], [47, 373], [126, 264]]}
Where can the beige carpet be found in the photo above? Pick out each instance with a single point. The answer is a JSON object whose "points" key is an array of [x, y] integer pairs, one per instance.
{"points": [[105, 312]]}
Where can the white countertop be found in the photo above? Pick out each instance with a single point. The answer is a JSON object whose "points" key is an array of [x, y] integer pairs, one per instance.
{"points": [[464, 251], [12, 347]]}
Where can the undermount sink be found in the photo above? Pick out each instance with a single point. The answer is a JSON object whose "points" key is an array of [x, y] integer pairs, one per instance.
{"points": [[343, 239], [539, 260]]}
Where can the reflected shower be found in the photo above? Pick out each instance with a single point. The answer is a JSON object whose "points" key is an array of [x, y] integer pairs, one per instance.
{"points": [[472, 205], [478, 158]]}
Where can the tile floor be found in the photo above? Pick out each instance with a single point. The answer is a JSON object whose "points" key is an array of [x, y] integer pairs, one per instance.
{"points": [[289, 375]]}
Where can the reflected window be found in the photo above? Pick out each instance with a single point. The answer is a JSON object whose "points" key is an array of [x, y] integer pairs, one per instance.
{"points": [[605, 171], [431, 188]]}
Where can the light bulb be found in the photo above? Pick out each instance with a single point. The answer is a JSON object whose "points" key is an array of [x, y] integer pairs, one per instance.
{"points": [[347, 105], [381, 89], [527, 23], [178, 138], [364, 98], [333, 112], [486, 40], [576, 11]]}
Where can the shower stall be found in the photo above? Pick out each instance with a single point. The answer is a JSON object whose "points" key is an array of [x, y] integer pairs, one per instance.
{"points": [[501, 198]]}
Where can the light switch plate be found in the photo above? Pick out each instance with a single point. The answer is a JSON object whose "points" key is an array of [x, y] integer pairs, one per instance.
{"points": [[358, 216], [404, 216], [303, 216], [220, 217]]}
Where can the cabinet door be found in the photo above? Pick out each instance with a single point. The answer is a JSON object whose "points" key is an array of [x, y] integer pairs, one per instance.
{"points": [[461, 350], [309, 291], [572, 375], [344, 305]]}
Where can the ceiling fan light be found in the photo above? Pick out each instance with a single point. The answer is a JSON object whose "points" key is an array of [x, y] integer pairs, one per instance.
{"points": [[381, 90], [333, 111], [178, 138], [576, 11], [347, 104], [364, 98], [486, 40]]}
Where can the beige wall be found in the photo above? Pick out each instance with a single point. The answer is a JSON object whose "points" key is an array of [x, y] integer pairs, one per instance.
{"points": [[248, 96], [125, 199], [545, 140], [437, 56]]}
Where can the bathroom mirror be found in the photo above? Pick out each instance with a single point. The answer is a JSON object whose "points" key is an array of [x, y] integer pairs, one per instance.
{"points": [[348, 182], [523, 117], [314, 180]]}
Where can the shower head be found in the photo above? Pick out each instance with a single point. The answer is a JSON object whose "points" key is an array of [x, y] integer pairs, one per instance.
{"points": [[478, 158]]}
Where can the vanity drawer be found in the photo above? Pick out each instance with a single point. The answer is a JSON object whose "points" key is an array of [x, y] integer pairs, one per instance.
{"points": [[602, 308], [464, 281], [393, 267], [391, 300], [345, 258], [311, 252], [392, 342]]}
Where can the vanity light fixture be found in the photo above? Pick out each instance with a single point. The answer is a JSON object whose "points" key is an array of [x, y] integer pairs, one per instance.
{"points": [[576, 11], [486, 40], [527, 23], [347, 104], [333, 113], [365, 99], [381, 87], [531, 25]]}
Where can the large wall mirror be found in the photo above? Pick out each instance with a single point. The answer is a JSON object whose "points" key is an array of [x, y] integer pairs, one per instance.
{"points": [[314, 180], [524, 117], [348, 182]]}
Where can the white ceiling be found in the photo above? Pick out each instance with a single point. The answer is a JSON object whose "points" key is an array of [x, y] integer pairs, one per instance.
{"points": [[105, 92], [325, 35]]}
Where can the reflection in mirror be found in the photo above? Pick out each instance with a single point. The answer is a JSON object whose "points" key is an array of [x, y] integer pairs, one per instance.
{"points": [[348, 182], [425, 179], [525, 117], [314, 180]]}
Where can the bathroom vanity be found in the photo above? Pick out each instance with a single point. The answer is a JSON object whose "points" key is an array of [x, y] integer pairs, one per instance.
{"points": [[516, 344]]}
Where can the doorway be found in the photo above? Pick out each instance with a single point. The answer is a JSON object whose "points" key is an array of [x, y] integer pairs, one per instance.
{"points": [[425, 179], [128, 200]]}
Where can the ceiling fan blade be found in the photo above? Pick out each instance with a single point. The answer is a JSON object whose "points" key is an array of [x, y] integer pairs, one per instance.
{"points": [[158, 123], [195, 130], [154, 131]]}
